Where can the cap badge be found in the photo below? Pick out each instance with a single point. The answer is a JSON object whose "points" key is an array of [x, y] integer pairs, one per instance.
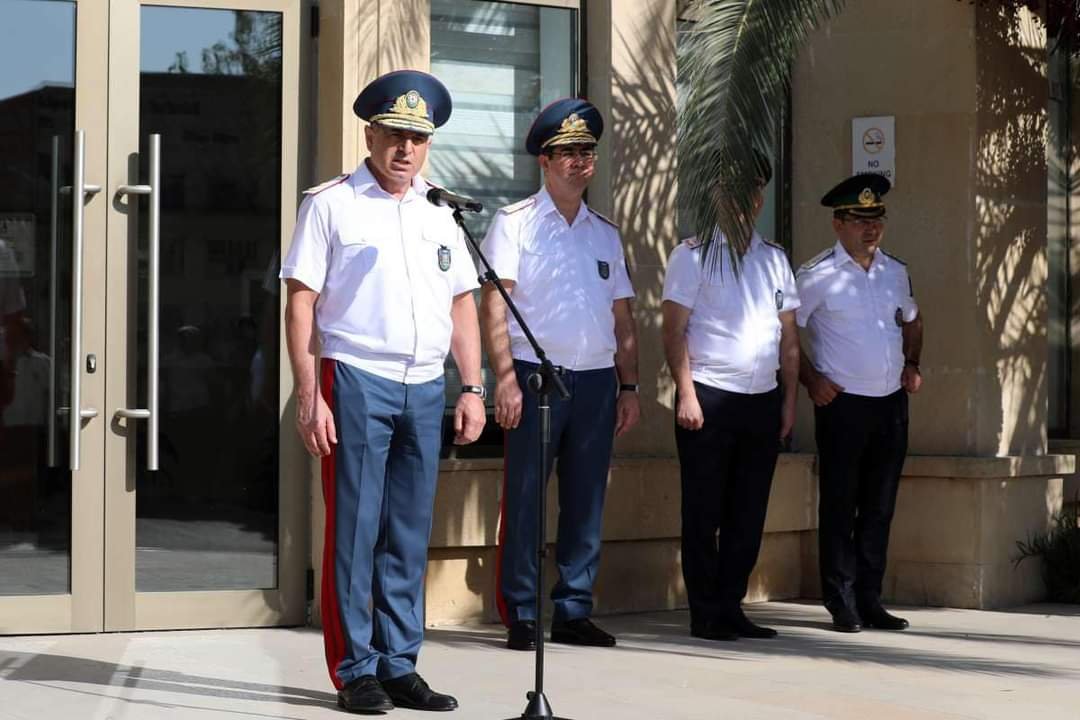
{"points": [[412, 104], [866, 197], [574, 123]]}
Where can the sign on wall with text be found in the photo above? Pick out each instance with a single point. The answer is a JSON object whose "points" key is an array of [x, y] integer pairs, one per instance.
{"points": [[873, 146]]}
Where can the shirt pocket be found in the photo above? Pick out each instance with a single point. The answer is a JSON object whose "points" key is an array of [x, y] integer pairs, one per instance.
{"points": [[892, 297], [438, 261], [539, 262], [846, 306], [718, 288], [356, 255]]}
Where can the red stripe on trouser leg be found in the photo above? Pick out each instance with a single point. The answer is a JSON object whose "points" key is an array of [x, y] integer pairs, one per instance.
{"points": [[500, 601], [333, 638]]}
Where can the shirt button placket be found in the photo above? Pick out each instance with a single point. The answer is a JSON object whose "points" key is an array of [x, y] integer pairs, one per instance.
{"points": [[875, 307]]}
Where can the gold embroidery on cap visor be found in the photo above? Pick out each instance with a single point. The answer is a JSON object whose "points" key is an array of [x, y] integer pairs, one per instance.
{"points": [[409, 112], [867, 201], [573, 131]]}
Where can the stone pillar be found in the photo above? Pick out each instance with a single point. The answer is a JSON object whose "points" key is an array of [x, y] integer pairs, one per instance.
{"points": [[358, 41], [631, 78], [1009, 262]]}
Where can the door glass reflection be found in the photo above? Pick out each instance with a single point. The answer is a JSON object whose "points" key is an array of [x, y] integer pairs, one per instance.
{"points": [[37, 115], [210, 85]]}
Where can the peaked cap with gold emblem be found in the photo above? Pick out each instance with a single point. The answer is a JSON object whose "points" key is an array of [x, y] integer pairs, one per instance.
{"points": [[569, 121], [859, 195], [405, 100]]}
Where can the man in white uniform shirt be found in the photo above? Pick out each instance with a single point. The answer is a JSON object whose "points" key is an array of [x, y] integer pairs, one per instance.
{"points": [[382, 280], [725, 336], [563, 265], [864, 336]]}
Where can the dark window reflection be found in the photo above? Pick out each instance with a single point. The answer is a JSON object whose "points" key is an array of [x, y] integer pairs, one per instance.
{"points": [[210, 84], [37, 112]]}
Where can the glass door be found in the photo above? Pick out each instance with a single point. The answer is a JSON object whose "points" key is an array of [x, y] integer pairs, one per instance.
{"points": [[52, 167], [200, 521], [147, 187]]}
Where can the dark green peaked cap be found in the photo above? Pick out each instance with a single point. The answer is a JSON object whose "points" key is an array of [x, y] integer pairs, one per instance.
{"points": [[859, 195]]}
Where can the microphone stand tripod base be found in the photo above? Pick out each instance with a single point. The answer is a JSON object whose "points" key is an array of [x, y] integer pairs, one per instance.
{"points": [[537, 709]]}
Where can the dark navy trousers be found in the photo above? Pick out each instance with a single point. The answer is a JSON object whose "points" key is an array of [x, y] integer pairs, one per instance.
{"points": [[379, 487], [862, 442], [582, 434], [726, 469]]}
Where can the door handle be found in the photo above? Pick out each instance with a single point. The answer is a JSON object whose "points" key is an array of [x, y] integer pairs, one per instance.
{"points": [[150, 412], [79, 193], [54, 213]]}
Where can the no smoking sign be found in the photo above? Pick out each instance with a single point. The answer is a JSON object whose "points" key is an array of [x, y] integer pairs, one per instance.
{"points": [[873, 146]]}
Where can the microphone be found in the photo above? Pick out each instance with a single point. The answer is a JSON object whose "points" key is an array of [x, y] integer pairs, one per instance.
{"points": [[441, 196]]}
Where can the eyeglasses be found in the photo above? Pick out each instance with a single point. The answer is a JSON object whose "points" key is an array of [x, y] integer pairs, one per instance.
{"points": [[867, 223], [399, 137], [588, 154]]}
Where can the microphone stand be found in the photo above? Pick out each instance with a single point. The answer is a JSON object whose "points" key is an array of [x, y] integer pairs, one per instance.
{"points": [[541, 383]]}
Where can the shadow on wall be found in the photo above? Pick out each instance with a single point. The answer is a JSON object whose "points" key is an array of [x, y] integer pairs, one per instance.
{"points": [[643, 185], [1010, 232]]}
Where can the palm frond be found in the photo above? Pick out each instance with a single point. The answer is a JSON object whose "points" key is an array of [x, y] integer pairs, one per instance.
{"points": [[735, 68]]}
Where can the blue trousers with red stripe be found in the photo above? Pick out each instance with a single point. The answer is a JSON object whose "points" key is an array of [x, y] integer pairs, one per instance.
{"points": [[379, 487], [582, 434]]}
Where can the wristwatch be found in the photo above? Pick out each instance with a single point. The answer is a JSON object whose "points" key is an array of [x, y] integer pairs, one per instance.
{"points": [[628, 387], [475, 390]]}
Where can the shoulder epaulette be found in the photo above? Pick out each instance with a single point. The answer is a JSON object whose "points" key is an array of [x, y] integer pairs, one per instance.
{"points": [[890, 255], [692, 242], [327, 185], [607, 220], [774, 246], [817, 259], [519, 205]]}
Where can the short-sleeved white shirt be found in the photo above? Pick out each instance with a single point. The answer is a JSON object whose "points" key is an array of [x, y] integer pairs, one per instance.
{"points": [[567, 277], [386, 272], [854, 317], [733, 334]]}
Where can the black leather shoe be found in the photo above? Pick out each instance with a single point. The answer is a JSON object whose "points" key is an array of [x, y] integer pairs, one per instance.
{"points": [[521, 635], [410, 691], [742, 626], [711, 630], [877, 617], [364, 695], [846, 620], [580, 632]]}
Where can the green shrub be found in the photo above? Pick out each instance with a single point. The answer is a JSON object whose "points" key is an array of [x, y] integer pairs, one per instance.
{"points": [[1059, 550]]}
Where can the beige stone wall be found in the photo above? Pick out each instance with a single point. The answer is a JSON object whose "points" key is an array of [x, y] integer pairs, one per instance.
{"points": [[640, 563], [957, 522], [1070, 490], [968, 212]]}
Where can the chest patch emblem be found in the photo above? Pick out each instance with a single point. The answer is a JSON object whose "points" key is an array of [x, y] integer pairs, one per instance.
{"points": [[899, 317], [603, 268], [444, 258], [779, 300]]}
